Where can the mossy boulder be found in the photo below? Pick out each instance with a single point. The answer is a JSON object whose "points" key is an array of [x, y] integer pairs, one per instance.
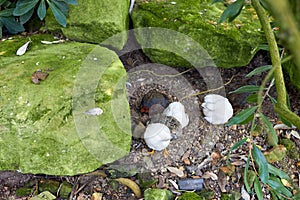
{"points": [[229, 44], [44, 128], [94, 21]]}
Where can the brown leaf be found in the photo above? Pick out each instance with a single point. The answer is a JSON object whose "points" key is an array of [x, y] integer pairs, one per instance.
{"points": [[222, 181], [228, 170]]}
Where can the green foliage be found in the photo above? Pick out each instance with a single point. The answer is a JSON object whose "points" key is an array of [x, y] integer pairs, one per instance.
{"points": [[261, 161], [264, 173], [14, 14], [243, 117], [232, 11]]}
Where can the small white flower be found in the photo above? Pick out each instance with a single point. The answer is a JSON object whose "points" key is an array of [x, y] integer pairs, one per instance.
{"points": [[217, 109], [157, 136]]}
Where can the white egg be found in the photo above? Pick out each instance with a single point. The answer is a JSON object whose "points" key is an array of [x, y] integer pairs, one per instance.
{"points": [[176, 110], [217, 109], [157, 136]]}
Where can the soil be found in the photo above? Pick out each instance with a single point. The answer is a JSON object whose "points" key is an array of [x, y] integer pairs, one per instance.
{"points": [[199, 150]]}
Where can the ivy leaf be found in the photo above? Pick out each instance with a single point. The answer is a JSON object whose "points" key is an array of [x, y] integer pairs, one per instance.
{"points": [[258, 189], [24, 6], [243, 116], [259, 70], [246, 88], [232, 11], [58, 14], [271, 133], [262, 163], [42, 10]]}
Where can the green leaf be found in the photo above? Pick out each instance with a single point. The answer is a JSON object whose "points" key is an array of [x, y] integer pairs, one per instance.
{"points": [[26, 17], [243, 116], [246, 88], [246, 175], [1, 25], [274, 194], [7, 12], [24, 6], [262, 163], [274, 101], [62, 6], [279, 187], [252, 98], [258, 189], [2, 2], [12, 25], [232, 11], [235, 146], [72, 2], [277, 172], [59, 16], [42, 10], [271, 133], [264, 4], [259, 70]]}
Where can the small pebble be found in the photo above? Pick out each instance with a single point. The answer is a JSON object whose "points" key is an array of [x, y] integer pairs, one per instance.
{"points": [[191, 184]]}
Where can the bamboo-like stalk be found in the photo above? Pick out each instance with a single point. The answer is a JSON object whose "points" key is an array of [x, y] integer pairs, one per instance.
{"points": [[281, 105]]}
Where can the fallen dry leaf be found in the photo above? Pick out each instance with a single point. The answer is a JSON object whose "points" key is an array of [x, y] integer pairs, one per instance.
{"points": [[211, 175], [228, 170]]}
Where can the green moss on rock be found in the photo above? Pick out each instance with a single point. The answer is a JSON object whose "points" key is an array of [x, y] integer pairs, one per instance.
{"points": [[94, 21], [38, 133], [229, 44]]}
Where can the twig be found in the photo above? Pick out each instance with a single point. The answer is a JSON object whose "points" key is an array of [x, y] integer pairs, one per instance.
{"points": [[207, 91]]}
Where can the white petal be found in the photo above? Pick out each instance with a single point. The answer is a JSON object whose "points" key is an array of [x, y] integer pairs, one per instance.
{"points": [[22, 49], [217, 109], [176, 110], [94, 111], [157, 136]]}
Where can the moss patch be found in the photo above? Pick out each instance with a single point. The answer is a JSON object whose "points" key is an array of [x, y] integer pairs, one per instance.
{"points": [[94, 21], [229, 44], [37, 129]]}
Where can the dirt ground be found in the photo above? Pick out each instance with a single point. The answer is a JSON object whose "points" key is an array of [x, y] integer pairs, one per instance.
{"points": [[198, 151]]}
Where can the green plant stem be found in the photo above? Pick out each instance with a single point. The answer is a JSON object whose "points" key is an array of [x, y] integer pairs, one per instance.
{"points": [[289, 33], [281, 105]]}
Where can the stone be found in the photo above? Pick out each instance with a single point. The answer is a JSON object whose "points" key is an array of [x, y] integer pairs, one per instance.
{"points": [[228, 44], [94, 21], [157, 194], [43, 127]]}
